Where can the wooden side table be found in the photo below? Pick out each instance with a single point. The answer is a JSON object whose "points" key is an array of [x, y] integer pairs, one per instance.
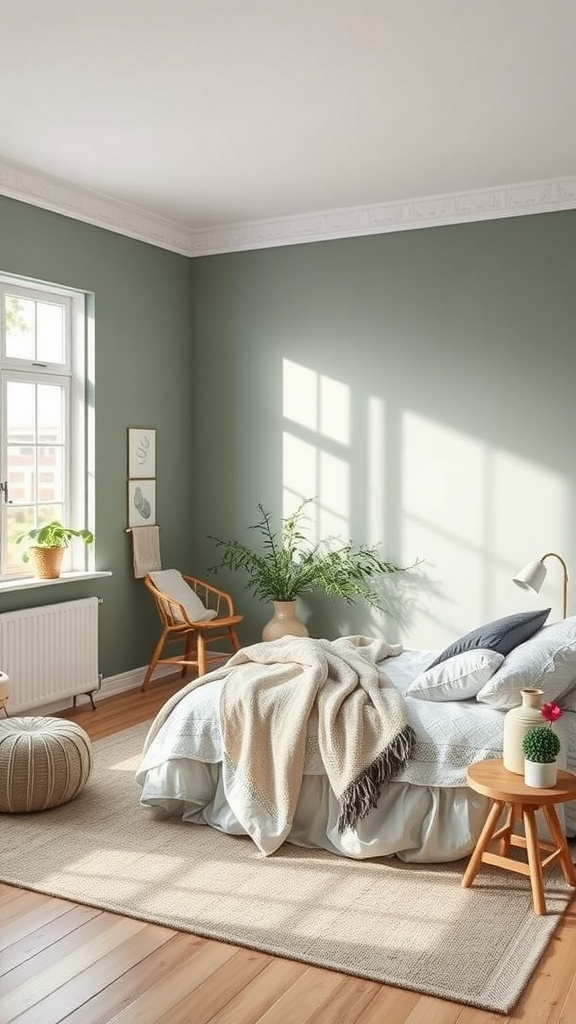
{"points": [[520, 802]]}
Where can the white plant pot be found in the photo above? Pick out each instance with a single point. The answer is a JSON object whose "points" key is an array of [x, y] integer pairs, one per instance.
{"points": [[539, 775]]}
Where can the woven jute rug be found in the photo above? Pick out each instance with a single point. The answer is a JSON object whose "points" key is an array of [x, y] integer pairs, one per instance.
{"points": [[407, 925]]}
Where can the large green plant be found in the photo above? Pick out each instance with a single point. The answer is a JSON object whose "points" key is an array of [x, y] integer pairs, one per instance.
{"points": [[52, 535], [288, 564]]}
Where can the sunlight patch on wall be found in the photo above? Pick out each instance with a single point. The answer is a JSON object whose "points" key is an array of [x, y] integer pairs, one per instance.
{"points": [[443, 479], [300, 471], [300, 394], [531, 514], [316, 457], [334, 494], [476, 514], [376, 469], [531, 506], [442, 513], [316, 402], [334, 410]]}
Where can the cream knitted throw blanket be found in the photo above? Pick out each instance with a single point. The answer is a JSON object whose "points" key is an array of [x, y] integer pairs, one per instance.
{"points": [[269, 693]]}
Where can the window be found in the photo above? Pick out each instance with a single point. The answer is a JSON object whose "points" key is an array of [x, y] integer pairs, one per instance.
{"points": [[43, 453]]}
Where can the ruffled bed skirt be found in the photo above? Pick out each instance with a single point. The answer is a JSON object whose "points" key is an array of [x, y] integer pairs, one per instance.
{"points": [[418, 824]]}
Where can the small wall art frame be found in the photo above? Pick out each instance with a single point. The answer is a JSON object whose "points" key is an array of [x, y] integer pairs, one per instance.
{"points": [[141, 453], [141, 503]]}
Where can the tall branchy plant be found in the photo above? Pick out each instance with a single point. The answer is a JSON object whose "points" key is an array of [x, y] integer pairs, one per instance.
{"points": [[287, 564]]}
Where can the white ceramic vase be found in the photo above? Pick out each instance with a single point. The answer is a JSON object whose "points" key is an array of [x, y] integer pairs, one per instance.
{"points": [[538, 775], [284, 622], [517, 722]]}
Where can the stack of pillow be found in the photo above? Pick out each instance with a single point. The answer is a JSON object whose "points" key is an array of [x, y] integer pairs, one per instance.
{"points": [[496, 661]]}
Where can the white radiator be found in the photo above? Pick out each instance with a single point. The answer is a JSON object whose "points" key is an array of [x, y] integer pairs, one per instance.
{"points": [[50, 653]]}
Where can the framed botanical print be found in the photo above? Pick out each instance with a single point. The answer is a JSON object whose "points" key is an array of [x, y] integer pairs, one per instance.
{"points": [[141, 503], [141, 453]]}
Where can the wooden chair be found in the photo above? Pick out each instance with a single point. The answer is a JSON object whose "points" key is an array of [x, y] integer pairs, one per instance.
{"points": [[195, 615]]}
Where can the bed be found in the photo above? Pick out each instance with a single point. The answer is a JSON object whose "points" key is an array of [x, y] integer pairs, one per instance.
{"points": [[454, 702]]}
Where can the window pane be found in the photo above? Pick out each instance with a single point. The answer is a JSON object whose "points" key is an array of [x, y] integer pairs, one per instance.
{"points": [[50, 414], [50, 332], [48, 513], [19, 314], [50, 487], [17, 520], [21, 473], [20, 413]]}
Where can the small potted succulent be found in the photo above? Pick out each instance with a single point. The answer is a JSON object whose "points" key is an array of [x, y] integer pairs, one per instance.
{"points": [[541, 746], [46, 545]]}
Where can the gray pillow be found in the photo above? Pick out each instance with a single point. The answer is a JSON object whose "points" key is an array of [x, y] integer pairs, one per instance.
{"points": [[501, 635]]}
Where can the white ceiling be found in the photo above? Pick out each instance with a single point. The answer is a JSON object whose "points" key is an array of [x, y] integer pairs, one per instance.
{"points": [[213, 113]]}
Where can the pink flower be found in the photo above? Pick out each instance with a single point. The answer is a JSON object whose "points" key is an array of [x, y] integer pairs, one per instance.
{"points": [[551, 712]]}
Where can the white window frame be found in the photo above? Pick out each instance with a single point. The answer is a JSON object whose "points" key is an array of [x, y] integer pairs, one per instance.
{"points": [[73, 374]]}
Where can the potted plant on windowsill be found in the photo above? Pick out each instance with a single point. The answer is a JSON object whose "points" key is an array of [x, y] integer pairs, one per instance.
{"points": [[46, 546], [541, 746], [288, 565]]}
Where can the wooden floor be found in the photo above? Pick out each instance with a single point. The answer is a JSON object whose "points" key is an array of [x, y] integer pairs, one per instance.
{"points": [[62, 961]]}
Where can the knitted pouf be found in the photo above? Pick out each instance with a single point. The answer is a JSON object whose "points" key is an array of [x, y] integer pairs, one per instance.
{"points": [[44, 762]]}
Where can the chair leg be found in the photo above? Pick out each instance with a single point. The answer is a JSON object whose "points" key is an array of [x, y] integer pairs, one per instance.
{"points": [[201, 651], [234, 638], [189, 652], [154, 660]]}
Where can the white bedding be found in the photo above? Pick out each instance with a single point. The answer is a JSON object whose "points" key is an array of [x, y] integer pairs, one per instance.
{"points": [[426, 815]]}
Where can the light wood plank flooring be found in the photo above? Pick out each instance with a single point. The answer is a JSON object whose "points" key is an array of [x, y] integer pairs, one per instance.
{"points": [[60, 961]]}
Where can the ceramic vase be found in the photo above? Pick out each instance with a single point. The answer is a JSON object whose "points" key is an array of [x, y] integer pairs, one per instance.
{"points": [[517, 722], [539, 775], [284, 622]]}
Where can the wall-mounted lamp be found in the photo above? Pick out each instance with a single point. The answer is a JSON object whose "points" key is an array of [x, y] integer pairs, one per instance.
{"points": [[532, 576]]}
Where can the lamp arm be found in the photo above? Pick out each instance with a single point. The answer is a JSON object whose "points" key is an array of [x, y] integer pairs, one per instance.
{"points": [[553, 554]]}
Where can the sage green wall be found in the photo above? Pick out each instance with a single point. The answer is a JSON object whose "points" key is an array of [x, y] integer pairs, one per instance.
{"points": [[144, 377], [456, 349], [452, 355]]}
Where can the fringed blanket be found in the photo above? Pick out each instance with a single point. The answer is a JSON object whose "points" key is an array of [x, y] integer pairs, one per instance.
{"points": [[269, 694]]}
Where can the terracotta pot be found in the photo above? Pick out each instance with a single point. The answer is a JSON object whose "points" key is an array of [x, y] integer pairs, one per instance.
{"points": [[284, 622], [46, 562]]}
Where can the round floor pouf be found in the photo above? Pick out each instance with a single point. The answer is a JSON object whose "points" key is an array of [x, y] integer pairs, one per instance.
{"points": [[44, 762]]}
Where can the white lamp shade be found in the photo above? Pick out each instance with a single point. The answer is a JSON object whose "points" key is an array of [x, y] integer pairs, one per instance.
{"points": [[532, 576]]}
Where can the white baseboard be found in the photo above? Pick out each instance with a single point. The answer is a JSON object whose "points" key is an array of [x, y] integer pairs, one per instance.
{"points": [[110, 686]]}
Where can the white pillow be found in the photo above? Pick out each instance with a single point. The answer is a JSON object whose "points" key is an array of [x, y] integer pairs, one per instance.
{"points": [[457, 678], [547, 661], [172, 583]]}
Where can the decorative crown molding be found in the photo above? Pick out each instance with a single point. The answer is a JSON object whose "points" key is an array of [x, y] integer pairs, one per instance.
{"points": [[92, 207], [403, 215]]}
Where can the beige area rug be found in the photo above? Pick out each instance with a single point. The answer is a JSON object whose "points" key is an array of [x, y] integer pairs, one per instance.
{"points": [[406, 925]]}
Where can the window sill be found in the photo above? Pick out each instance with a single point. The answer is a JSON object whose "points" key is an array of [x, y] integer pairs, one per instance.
{"points": [[31, 582]]}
